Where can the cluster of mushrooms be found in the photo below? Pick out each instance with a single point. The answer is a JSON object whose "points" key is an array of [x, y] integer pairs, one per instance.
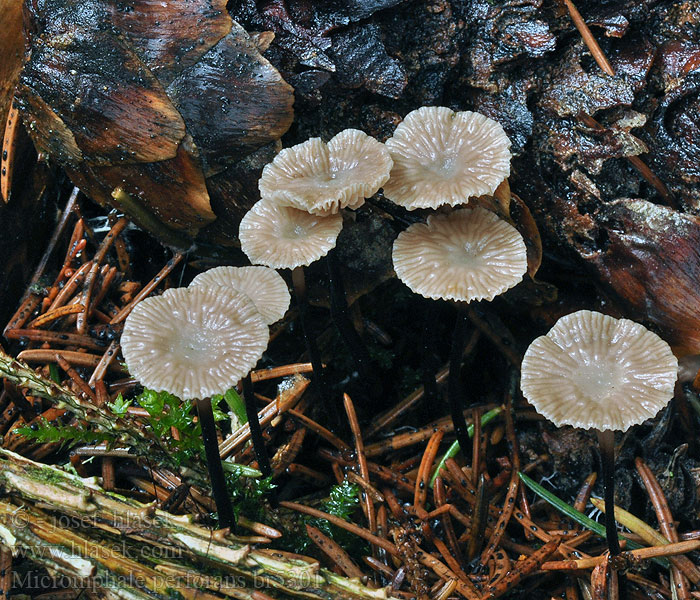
{"points": [[591, 370], [202, 340]]}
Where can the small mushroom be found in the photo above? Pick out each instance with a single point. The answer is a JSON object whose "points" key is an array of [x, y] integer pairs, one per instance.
{"points": [[269, 293], [193, 343], [465, 255], [443, 157], [282, 237], [597, 372], [262, 285], [324, 178], [468, 254]]}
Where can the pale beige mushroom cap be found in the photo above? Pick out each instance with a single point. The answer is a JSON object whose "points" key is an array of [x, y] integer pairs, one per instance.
{"points": [[264, 286], [595, 371], [283, 237], [324, 178], [445, 157], [468, 254], [193, 342]]}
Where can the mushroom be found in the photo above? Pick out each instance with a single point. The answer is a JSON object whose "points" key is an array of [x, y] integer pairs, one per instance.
{"points": [[282, 237], [465, 255], [324, 178], [262, 285], [597, 372], [269, 293], [445, 157], [193, 343]]}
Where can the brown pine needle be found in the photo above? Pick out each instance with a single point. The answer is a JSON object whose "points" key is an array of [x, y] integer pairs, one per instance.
{"points": [[283, 371], [57, 313], [78, 359], [369, 509], [147, 289], [333, 551], [319, 430], [76, 378], [351, 527], [426, 468], [589, 40], [630, 557]]}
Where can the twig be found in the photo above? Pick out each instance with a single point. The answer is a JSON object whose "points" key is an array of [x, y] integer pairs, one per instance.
{"points": [[478, 528], [80, 359], [351, 527], [584, 493], [71, 286], [91, 277]]}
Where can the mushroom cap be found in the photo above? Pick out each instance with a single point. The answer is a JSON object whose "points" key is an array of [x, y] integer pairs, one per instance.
{"points": [[595, 371], [193, 342], [264, 286], [443, 157], [467, 254], [283, 237], [324, 178]]}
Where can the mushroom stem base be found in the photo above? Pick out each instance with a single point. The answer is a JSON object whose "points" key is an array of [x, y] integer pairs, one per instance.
{"points": [[224, 508], [455, 390], [606, 441]]}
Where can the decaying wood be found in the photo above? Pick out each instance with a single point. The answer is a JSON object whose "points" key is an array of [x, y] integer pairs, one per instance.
{"points": [[96, 516]]}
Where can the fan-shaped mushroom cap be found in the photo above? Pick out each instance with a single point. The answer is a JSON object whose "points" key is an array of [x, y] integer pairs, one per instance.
{"points": [[264, 286], [193, 342], [468, 254], [283, 237], [323, 178], [595, 371], [443, 157]]}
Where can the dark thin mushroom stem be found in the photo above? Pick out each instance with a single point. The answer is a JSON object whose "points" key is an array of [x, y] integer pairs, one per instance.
{"points": [[352, 339], [430, 362], [299, 283], [255, 429], [606, 441], [216, 471], [455, 391]]}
